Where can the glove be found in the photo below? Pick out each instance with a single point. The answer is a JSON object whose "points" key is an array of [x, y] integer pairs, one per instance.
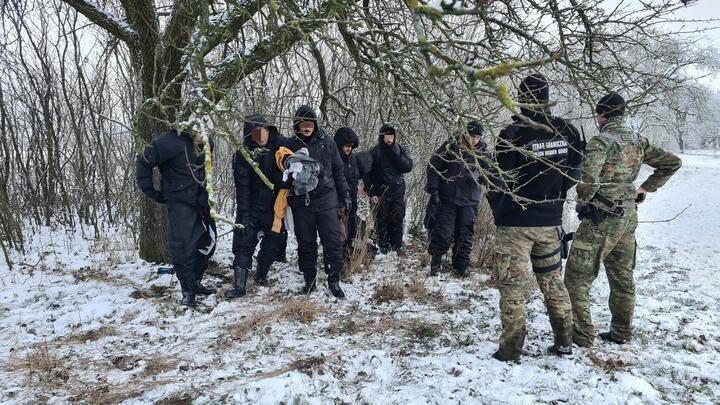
{"points": [[156, 196], [396, 148], [347, 201], [435, 198]]}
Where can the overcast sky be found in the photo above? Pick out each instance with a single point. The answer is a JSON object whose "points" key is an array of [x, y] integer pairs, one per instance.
{"points": [[702, 14]]}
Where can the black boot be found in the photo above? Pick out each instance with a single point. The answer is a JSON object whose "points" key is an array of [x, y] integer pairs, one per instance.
{"points": [[309, 286], [608, 337], [201, 289], [260, 277], [498, 355], [240, 279], [188, 298], [334, 286], [559, 350], [435, 265], [462, 273]]}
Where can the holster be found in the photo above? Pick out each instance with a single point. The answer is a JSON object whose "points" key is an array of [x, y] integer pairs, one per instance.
{"points": [[597, 215], [565, 239]]}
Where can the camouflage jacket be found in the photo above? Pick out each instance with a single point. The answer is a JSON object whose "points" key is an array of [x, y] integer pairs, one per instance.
{"points": [[612, 162]]}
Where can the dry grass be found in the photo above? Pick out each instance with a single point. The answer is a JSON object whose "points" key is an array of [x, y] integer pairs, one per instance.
{"points": [[42, 366], [388, 292], [91, 335], [298, 309], [159, 365], [417, 289], [155, 291], [609, 364], [423, 330], [482, 254], [362, 252]]}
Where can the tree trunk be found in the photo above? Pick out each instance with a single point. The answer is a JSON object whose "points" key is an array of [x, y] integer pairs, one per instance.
{"points": [[151, 216]]}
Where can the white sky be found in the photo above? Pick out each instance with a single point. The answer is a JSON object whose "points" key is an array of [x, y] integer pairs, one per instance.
{"points": [[701, 15]]}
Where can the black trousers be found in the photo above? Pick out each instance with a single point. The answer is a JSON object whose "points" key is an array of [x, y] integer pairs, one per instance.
{"points": [[389, 219], [246, 240], [188, 235], [310, 223], [454, 225]]}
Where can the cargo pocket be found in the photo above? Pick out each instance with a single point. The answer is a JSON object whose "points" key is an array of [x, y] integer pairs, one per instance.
{"points": [[583, 256], [502, 263]]}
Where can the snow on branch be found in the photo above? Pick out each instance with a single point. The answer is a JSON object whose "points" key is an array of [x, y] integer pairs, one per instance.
{"points": [[114, 25]]}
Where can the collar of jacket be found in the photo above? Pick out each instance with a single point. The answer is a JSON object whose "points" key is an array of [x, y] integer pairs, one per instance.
{"points": [[617, 130]]}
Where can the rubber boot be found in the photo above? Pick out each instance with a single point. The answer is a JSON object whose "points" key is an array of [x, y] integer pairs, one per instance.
{"points": [[260, 277], [309, 277], [188, 298], [435, 265], [240, 280], [334, 286]]}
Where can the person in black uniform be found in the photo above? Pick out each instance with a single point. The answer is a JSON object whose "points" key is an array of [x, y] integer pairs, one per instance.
{"points": [[355, 167], [191, 231], [385, 186], [454, 182], [318, 212], [255, 202]]}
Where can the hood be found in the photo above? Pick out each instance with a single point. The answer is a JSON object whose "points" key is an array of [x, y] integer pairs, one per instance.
{"points": [[386, 129], [304, 113], [251, 122], [346, 136]]}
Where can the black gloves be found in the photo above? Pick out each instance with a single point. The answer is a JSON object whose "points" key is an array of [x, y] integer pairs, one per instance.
{"points": [[396, 148]]}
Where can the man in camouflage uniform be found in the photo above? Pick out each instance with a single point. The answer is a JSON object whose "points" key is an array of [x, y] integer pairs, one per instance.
{"points": [[607, 207], [536, 166]]}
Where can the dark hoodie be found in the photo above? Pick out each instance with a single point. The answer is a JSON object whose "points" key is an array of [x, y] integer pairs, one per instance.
{"points": [[182, 169], [252, 194], [456, 174], [356, 164], [537, 171], [332, 186], [389, 163]]}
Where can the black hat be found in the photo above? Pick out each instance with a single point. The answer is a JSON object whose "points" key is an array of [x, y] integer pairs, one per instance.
{"points": [[346, 136], [252, 122], [534, 89], [474, 128], [387, 129], [612, 105], [304, 113]]}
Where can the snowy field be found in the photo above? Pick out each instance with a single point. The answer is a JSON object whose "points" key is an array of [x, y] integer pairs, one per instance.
{"points": [[83, 320]]}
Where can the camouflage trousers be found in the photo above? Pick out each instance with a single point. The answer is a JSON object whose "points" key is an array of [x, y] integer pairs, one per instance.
{"points": [[514, 248], [612, 243]]}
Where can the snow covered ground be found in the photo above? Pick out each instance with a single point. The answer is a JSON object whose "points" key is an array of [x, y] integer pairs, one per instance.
{"points": [[84, 320]]}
